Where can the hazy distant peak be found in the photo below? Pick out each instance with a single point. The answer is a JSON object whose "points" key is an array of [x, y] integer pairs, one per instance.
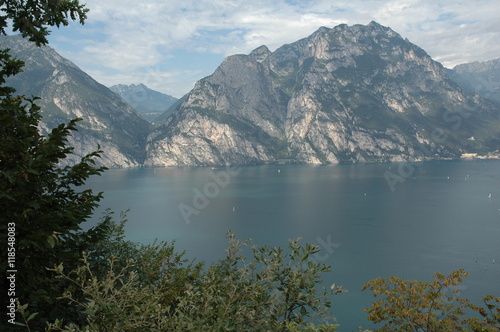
{"points": [[147, 102], [478, 66], [481, 77]]}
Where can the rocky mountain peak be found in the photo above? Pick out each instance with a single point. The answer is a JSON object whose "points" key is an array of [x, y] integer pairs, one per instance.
{"points": [[260, 53], [345, 94]]}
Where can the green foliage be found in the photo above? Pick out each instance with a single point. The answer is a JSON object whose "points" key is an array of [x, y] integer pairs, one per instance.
{"points": [[294, 279], [275, 291], [425, 306], [40, 199], [117, 301], [271, 292], [32, 18], [157, 264], [108, 290], [8, 67]]}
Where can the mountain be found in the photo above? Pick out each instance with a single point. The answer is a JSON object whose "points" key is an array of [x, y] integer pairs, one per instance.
{"points": [[67, 92], [356, 93], [482, 78], [164, 116], [147, 102]]}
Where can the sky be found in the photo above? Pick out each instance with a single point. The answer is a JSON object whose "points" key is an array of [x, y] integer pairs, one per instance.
{"points": [[168, 45]]}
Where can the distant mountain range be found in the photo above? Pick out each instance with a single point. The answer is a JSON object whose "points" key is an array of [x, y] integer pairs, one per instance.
{"points": [[150, 104], [480, 77], [356, 93]]}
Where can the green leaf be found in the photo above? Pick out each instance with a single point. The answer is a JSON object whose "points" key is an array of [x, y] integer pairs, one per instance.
{"points": [[33, 315], [51, 241]]}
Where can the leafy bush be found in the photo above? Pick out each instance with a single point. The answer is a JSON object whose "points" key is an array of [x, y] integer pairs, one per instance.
{"points": [[161, 291], [269, 293], [425, 306]]}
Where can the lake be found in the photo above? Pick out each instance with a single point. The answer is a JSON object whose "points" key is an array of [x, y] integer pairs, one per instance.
{"points": [[371, 220]]}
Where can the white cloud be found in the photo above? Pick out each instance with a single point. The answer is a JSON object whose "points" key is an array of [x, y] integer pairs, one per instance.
{"points": [[452, 32], [130, 36]]}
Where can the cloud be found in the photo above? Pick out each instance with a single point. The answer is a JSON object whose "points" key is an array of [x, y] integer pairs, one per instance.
{"points": [[452, 32], [127, 36]]}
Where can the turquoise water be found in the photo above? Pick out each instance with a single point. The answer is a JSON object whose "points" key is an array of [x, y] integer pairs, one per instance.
{"points": [[371, 220]]}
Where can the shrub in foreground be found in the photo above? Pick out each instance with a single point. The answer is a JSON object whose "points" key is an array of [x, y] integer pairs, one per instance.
{"points": [[429, 306], [276, 290]]}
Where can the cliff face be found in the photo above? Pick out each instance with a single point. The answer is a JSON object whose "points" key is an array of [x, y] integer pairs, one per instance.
{"points": [[66, 93], [346, 94]]}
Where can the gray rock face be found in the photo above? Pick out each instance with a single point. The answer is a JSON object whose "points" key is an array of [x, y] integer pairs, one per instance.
{"points": [[347, 94], [66, 93]]}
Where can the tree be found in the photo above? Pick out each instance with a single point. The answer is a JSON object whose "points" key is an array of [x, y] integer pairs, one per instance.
{"points": [[32, 18], [42, 208], [40, 202], [429, 306]]}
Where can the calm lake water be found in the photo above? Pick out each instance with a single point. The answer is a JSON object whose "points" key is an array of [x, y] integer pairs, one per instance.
{"points": [[371, 220]]}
